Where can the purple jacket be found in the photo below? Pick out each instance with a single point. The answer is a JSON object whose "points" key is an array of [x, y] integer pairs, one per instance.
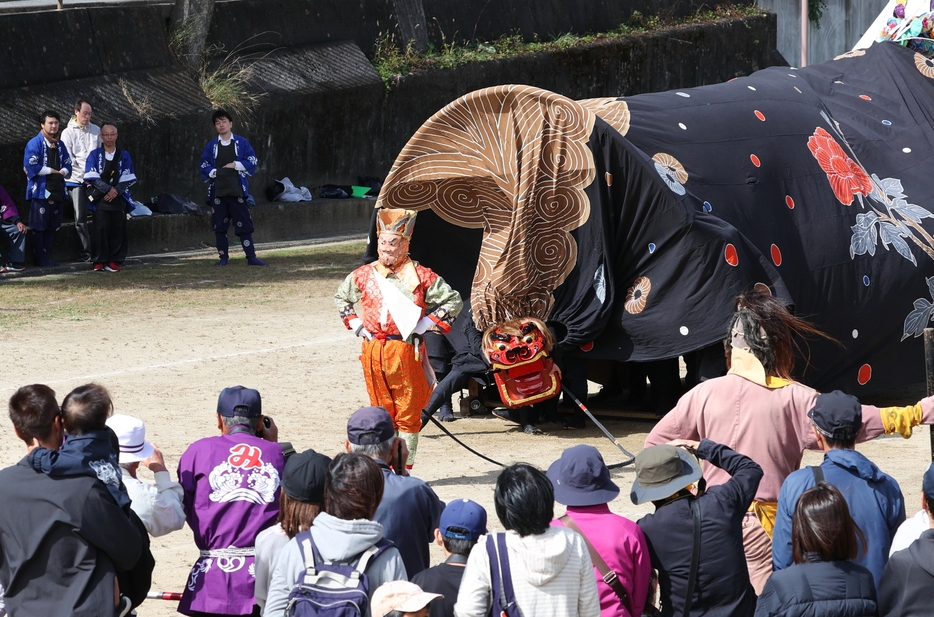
{"points": [[231, 485], [8, 211], [621, 544]]}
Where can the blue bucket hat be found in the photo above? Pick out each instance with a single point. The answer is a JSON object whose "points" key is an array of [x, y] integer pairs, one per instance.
{"points": [[581, 478]]}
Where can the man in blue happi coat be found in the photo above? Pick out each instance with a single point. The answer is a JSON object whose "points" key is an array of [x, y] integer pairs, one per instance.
{"points": [[226, 164], [109, 175], [47, 164]]}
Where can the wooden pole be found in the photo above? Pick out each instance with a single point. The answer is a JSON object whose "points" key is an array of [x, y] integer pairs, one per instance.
{"points": [[929, 372], [804, 33]]}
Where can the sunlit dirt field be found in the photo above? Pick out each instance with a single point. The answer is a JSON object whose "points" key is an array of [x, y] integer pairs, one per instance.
{"points": [[166, 335]]}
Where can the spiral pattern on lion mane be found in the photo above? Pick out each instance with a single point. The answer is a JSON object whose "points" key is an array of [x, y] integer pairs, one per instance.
{"points": [[513, 161]]}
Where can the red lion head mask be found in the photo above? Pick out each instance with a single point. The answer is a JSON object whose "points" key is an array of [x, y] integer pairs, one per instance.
{"points": [[518, 350]]}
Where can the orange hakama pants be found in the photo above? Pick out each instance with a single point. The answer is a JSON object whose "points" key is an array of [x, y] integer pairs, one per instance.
{"points": [[396, 380]]}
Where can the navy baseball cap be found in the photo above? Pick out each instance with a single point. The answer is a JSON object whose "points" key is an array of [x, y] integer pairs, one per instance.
{"points": [[463, 514], [581, 478], [369, 426], [837, 415], [927, 484], [239, 401]]}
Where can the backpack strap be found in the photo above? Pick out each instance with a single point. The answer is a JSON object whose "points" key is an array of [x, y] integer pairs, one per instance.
{"points": [[504, 597], [818, 474], [307, 548], [609, 576], [495, 574], [506, 572], [500, 576], [364, 560], [695, 558]]}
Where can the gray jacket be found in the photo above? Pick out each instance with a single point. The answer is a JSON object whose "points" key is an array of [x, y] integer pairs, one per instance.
{"points": [[337, 540]]}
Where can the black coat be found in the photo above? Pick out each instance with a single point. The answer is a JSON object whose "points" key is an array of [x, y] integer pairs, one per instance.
{"points": [[819, 589], [722, 586], [908, 580], [61, 540]]}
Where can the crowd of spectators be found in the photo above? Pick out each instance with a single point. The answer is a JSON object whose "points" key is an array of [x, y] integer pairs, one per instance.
{"points": [[274, 531], [737, 529]]}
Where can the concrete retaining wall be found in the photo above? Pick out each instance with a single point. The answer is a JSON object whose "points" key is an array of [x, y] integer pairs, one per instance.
{"points": [[266, 24], [275, 222], [326, 116]]}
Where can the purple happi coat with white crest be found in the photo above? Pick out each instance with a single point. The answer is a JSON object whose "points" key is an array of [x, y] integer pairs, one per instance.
{"points": [[231, 487]]}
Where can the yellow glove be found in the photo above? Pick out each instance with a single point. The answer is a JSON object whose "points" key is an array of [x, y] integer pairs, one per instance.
{"points": [[900, 419]]}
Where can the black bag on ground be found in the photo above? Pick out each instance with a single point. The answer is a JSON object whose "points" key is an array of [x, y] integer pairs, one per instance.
{"points": [[170, 203], [375, 184], [275, 189], [334, 191]]}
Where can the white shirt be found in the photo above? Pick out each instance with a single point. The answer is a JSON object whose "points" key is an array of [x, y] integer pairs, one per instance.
{"points": [[909, 531], [269, 544], [158, 505]]}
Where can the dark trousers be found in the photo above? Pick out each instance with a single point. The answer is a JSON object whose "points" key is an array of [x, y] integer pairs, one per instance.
{"points": [[110, 236], [17, 250], [227, 210], [45, 217]]}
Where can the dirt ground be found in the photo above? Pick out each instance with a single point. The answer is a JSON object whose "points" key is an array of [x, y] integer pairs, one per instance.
{"points": [[166, 335]]}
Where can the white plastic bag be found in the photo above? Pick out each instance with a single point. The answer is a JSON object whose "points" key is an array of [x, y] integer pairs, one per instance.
{"points": [[293, 193]]}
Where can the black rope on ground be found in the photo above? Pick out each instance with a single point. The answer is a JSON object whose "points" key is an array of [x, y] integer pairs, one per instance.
{"points": [[608, 434], [468, 448]]}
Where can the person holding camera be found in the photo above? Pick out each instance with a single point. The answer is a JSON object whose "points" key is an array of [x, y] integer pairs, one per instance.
{"points": [[695, 537], [231, 483], [410, 510], [108, 176]]}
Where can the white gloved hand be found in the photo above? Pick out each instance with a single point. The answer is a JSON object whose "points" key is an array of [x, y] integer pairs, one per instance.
{"points": [[424, 324], [356, 324]]}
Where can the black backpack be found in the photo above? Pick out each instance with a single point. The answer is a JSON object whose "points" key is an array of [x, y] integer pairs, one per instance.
{"points": [[328, 589]]}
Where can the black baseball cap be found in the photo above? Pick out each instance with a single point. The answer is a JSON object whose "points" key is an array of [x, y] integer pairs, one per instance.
{"points": [[303, 476]]}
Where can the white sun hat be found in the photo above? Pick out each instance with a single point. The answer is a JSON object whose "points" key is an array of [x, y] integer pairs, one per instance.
{"points": [[131, 433]]}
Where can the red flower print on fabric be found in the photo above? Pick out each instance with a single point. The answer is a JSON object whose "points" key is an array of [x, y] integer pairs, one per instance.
{"points": [[846, 177]]}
